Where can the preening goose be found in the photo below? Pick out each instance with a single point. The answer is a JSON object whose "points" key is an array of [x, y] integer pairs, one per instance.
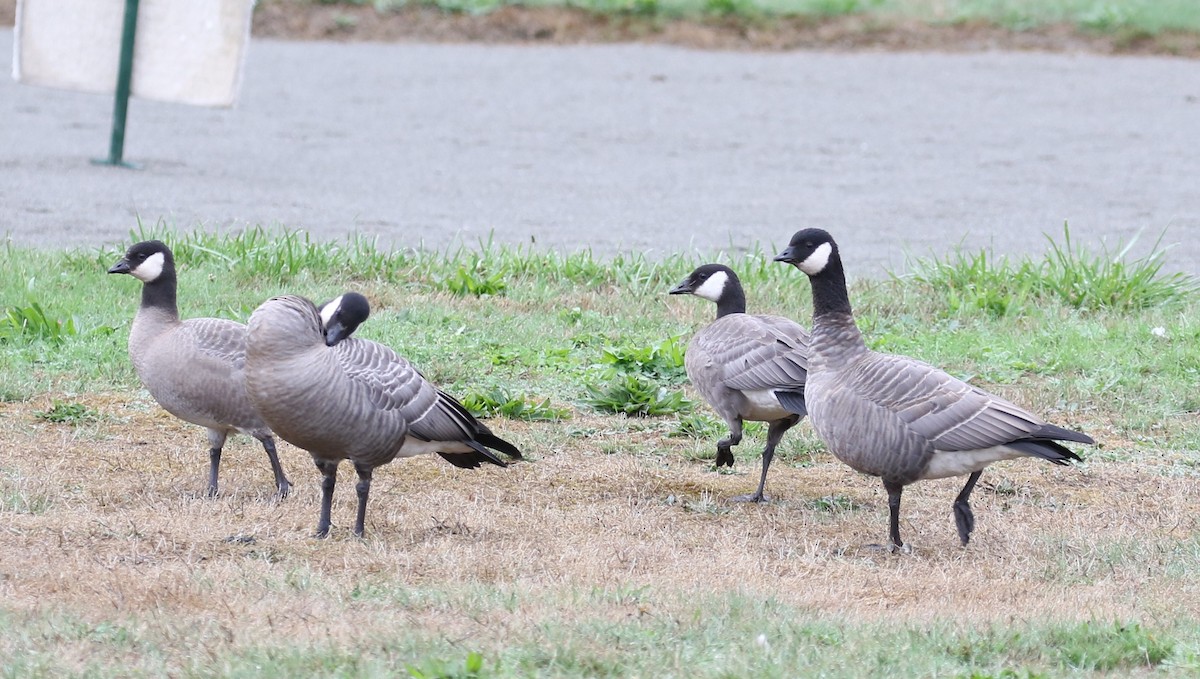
{"points": [[357, 400], [747, 367], [341, 315], [193, 368], [896, 417]]}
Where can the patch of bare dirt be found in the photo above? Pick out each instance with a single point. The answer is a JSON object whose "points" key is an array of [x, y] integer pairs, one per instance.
{"points": [[299, 20]]}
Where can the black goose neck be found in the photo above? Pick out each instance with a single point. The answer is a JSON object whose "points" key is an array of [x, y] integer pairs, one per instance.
{"points": [[829, 290], [732, 300], [160, 293]]}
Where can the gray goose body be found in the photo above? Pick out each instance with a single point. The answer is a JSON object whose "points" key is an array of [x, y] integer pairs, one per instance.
{"points": [[356, 400], [898, 418], [193, 368], [747, 367]]}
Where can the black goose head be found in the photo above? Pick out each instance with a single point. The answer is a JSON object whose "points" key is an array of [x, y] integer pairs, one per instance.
{"points": [[708, 281], [146, 261], [342, 315], [810, 250], [716, 283]]}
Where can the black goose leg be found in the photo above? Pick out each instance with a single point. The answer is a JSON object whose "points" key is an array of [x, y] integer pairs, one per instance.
{"points": [[328, 480], [214, 465], [363, 488], [774, 435], [894, 490], [281, 481], [216, 441], [963, 516], [724, 454]]}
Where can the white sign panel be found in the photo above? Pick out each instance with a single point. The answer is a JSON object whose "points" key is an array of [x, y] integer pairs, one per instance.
{"points": [[186, 51]]}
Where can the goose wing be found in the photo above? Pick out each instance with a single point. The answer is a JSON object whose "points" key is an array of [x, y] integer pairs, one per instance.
{"points": [[393, 383], [217, 338], [951, 414], [387, 380], [758, 352]]}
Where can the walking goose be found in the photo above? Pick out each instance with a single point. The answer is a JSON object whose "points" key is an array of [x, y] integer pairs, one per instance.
{"points": [[899, 418], [193, 368], [357, 400], [746, 367]]}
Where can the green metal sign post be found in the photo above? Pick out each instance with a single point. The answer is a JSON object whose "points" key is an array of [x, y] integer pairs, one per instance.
{"points": [[116, 149]]}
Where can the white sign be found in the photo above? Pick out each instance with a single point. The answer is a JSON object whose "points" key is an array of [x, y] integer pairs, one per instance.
{"points": [[186, 51]]}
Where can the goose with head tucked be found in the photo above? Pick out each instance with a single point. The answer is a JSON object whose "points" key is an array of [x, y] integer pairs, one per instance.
{"points": [[342, 315], [355, 400], [193, 368], [898, 418], [747, 367]]}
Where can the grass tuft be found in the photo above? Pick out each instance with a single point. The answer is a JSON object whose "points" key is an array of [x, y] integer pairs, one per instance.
{"points": [[1069, 274], [30, 323], [64, 412], [697, 426], [469, 668], [501, 402]]}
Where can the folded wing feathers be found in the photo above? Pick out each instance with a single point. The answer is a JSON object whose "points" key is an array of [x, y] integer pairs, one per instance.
{"points": [[391, 382], [220, 338], [432, 414], [759, 352], [951, 414]]}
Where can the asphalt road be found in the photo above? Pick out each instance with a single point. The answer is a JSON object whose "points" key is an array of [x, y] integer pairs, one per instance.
{"points": [[633, 148]]}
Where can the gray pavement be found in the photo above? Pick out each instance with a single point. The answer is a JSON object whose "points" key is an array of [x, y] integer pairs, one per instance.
{"points": [[632, 148]]}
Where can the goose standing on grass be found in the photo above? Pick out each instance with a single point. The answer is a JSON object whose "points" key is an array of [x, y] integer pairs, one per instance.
{"points": [[357, 400], [898, 418], [746, 367], [193, 368]]}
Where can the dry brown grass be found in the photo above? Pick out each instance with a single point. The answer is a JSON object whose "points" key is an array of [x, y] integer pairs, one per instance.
{"points": [[293, 20], [108, 520], [306, 20]]}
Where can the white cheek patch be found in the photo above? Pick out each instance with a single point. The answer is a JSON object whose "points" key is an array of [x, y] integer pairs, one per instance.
{"points": [[712, 288], [150, 269], [328, 311], [815, 263]]}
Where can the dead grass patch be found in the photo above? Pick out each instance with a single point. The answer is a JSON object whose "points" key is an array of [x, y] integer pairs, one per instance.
{"points": [[304, 20], [115, 525], [564, 25]]}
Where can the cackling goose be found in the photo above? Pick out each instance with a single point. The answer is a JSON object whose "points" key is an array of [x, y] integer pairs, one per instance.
{"points": [[746, 367], [193, 368], [899, 418], [357, 400]]}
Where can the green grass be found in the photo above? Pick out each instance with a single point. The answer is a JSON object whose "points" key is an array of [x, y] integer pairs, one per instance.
{"points": [[578, 332], [500, 402], [1148, 17], [730, 635], [30, 323], [65, 412], [1069, 274], [569, 333]]}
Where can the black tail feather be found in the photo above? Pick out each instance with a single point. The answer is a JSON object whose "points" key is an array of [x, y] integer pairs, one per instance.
{"points": [[1049, 431], [793, 401], [1047, 450], [480, 454], [490, 440], [473, 459]]}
